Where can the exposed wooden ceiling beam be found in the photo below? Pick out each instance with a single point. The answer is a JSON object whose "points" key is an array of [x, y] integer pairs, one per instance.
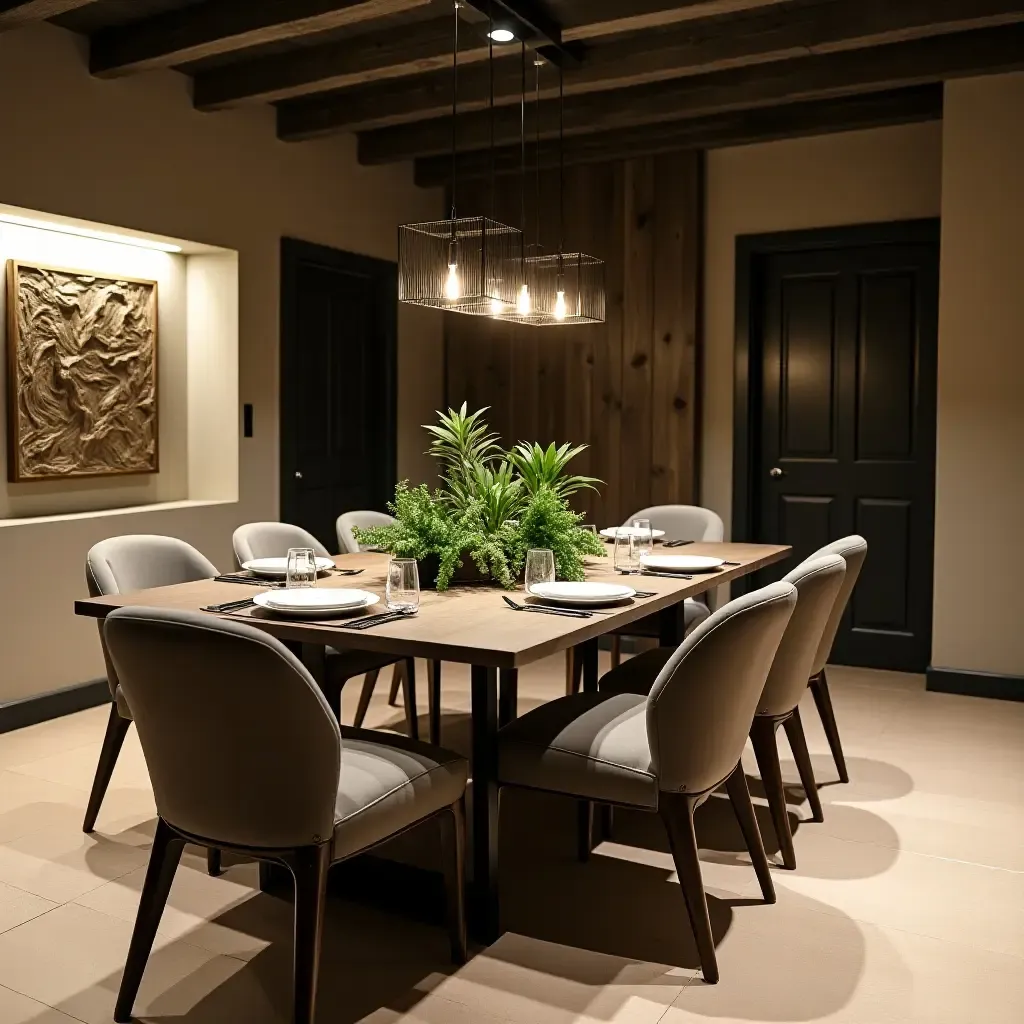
{"points": [[376, 57], [21, 12], [224, 26], [896, 65], [920, 103], [670, 53]]}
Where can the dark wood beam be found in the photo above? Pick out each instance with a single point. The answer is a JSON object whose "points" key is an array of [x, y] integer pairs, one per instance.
{"points": [[814, 117], [224, 26], [385, 56], [22, 12], [677, 52], [897, 65]]}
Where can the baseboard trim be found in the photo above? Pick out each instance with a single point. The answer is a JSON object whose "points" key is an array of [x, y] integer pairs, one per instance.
{"points": [[974, 684], [17, 714]]}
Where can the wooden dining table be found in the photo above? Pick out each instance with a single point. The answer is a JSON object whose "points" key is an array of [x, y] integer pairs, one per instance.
{"points": [[470, 625]]}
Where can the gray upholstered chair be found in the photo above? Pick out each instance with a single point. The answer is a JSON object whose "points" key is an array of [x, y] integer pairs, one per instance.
{"points": [[854, 550], [272, 540], [668, 750], [116, 566], [817, 583], [680, 522], [348, 522], [272, 776]]}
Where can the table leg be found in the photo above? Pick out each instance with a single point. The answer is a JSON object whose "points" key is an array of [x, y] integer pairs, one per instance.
{"points": [[434, 701], [671, 626], [485, 802], [508, 696], [586, 653]]}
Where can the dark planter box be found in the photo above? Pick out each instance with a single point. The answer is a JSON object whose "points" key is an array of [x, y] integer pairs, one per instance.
{"points": [[468, 574]]}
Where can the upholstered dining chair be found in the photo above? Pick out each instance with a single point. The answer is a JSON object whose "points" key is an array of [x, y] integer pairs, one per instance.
{"points": [[680, 522], [349, 522], [854, 550], [271, 777], [272, 540], [116, 566], [669, 750]]}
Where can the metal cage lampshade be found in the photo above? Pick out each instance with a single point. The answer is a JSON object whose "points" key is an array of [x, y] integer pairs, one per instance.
{"points": [[467, 265], [564, 289]]}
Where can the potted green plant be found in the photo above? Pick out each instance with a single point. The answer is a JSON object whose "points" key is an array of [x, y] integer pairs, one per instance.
{"points": [[493, 507]]}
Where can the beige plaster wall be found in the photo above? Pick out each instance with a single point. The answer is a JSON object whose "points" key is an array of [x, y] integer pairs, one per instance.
{"points": [[132, 152], [979, 515]]}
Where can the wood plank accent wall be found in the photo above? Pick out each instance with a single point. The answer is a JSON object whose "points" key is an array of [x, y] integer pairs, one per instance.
{"points": [[628, 388]]}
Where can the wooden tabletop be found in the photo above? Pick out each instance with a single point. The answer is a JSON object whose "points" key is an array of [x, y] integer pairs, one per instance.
{"points": [[468, 624]]}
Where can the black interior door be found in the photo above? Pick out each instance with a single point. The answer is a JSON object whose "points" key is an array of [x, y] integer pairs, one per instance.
{"points": [[338, 347], [846, 432]]}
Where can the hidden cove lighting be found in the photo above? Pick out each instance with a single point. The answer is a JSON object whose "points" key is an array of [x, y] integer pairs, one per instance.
{"points": [[102, 236]]}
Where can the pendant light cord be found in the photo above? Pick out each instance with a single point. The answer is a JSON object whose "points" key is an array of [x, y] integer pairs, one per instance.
{"points": [[490, 74], [536, 156], [455, 109], [561, 168], [522, 156]]}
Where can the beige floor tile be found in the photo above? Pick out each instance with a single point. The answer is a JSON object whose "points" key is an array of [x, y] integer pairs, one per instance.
{"points": [[526, 980], [61, 864], [18, 1009], [77, 767], [929, 896], [18, 906], [72, 959], [28, 804], [433, 1009], [53, 737], [198, 907]]}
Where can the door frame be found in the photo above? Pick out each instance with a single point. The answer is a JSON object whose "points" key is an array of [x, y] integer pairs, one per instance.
{"points": [[384, 275], [752, 251]]}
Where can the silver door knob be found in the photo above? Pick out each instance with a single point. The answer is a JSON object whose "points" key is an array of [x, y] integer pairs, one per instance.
{"points": [[775, 471], [298, 474]]}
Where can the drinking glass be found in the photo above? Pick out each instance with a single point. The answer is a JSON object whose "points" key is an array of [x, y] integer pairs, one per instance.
{"points": [[625, 557], [644, 538], [301, 571], [540, 567], [402, 591]]}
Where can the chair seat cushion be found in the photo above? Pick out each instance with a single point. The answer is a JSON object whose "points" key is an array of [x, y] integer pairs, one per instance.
{"points": [[694, 613], [388, 783], [590, 745], [636, 675]]}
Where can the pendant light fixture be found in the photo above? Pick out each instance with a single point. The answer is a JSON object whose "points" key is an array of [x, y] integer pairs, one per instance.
{"points": [[460, 264]]}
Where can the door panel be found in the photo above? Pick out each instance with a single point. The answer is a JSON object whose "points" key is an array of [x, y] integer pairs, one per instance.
{"points": [[845, 437], [337, 386]]}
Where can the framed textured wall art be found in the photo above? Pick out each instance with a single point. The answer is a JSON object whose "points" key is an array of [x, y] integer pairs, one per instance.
{"points": [[81, 374]]}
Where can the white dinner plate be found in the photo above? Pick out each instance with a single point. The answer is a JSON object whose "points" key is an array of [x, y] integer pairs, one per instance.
{"points": [[582, 593], [314, 601], [681, 563], [628, 531], [275, 568]]}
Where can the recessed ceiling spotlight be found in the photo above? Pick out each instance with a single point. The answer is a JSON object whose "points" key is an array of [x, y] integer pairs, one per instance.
{"points": [[503, 35]]}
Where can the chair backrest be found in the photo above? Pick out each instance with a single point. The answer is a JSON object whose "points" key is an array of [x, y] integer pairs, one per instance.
{"points": [[347, 521], [272, 540], [817, 583], [683, 522], [240, 744], [854, 550], [702, 704], [137, 562]]}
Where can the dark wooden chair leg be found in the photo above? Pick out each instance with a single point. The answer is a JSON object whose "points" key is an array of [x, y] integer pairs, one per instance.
{"points": [[798, 744], [163, 861], [616, 650], [584, 829], [412, 719], [823, 702], [365, 696], [508, 696], [736, 786], [570, 674], [434, 701], [396, 683], [607, 822], [762, 734], [213, 862], [676, 811], [309, 866], [453, 853], [113, 739]]}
